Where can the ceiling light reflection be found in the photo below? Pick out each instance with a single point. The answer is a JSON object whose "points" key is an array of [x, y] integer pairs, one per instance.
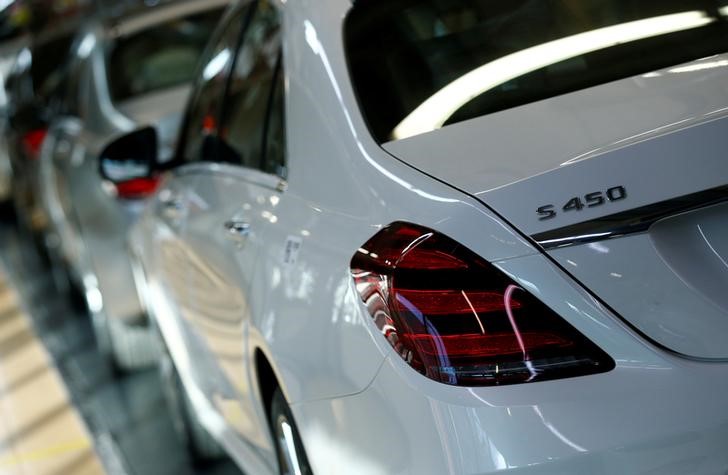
{"points": [[435, 111], [216, 64], [700, 66]]}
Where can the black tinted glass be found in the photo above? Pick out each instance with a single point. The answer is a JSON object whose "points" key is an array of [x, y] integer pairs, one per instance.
{"points": [[163, 56], [419, 65], [49, 63], [203, 114], [250, 89], [274, 159]]}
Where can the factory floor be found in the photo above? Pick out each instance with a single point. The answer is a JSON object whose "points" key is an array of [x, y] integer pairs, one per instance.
{"points": [[63, 410]]}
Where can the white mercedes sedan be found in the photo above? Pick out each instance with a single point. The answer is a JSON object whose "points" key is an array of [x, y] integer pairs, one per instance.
{"points": [[447, 237]]}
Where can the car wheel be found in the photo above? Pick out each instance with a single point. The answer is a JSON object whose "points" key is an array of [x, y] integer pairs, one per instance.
{"points": [[59, 272], [63, 281], [201, 445], [292, 458], [100, 328]]}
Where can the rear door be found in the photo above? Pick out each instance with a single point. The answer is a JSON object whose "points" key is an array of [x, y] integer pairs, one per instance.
{"points": [[176, 263], [225, 218]]}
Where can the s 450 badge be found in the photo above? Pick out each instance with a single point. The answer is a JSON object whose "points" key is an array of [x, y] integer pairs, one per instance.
{"points": [[578, 203]]}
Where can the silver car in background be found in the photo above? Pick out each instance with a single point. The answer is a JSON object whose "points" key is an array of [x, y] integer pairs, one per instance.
{"points": [[130, 68], [13, 38], [8, 52]]}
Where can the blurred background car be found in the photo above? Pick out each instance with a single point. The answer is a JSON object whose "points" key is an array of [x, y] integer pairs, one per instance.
{"points": [[130, 66], [34, 91], [14, 21]]}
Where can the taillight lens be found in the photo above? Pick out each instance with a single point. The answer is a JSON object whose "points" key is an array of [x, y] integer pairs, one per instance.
{"points": [[138, 188], [457, 319], [33, 141]]}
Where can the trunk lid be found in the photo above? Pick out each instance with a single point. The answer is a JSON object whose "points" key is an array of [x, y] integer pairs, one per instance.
{"points": [[623, 184]]}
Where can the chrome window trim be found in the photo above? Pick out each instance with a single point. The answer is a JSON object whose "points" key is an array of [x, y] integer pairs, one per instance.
{"points": [[249, 175]]}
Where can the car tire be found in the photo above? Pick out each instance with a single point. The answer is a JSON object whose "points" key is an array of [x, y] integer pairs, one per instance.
{"points": [[63, 281], [127, 347], [292, 457], [202, 447], [102, 336]]}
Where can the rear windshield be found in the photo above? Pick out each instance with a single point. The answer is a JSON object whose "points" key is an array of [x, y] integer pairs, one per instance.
{"points": [[160, 57], [418, 65]]}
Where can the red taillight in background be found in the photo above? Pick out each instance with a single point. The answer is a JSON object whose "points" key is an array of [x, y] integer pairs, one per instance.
{"points": [[459, 320], [138, 188], [32, 142]]}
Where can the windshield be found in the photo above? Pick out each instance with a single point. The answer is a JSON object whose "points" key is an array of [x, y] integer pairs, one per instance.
{"points": [[160, 57], [419, 65]]}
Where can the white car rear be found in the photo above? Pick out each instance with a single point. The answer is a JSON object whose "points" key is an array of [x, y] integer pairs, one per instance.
{"points": [[488, 237]]}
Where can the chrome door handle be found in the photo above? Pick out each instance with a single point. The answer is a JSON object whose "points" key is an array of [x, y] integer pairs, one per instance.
{"points": [[237, 231], [175, 203], [172, 208]]}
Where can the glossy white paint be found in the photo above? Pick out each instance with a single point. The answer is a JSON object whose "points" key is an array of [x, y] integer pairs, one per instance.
{"points": [[642, 417], [9, 51], [359, 407], [565, 427], [669, 283]]}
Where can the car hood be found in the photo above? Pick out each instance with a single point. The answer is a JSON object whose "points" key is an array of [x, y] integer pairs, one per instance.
{"points": [[622, 184]]}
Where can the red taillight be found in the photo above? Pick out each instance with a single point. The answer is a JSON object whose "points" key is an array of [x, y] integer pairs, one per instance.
{"points": [[457, 319], [32, 142], [137, 188], [209, 124]]}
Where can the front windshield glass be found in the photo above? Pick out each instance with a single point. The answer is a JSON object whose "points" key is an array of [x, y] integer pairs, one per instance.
{"points": [[419, 65]]}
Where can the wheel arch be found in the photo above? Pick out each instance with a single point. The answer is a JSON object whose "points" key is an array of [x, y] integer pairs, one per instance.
{"points": [[266, 379]]}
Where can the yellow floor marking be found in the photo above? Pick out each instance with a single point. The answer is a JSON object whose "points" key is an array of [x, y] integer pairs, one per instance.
{"points": [[40, 431], [80, 444]]}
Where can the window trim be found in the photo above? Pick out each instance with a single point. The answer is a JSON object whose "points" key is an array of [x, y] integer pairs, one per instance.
{"points": [[180, 162], [181, 146]]}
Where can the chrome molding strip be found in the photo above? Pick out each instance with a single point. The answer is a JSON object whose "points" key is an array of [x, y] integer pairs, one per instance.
{"points": [[634, 221], [238, 172]]}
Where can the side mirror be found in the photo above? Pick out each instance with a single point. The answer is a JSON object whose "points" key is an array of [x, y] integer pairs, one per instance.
{"points": [[130, 157], [130, 163]]}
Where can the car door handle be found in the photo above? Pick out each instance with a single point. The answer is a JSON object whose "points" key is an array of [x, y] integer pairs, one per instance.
{"points": [[64, 146], [172, 207], [237, 231]]}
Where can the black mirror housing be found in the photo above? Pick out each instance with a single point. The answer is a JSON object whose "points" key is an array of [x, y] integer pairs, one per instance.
{"points": [[131, 156]]}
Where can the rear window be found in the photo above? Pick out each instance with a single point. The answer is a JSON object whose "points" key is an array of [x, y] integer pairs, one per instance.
{"points": [[418, 65], [160, 57]]}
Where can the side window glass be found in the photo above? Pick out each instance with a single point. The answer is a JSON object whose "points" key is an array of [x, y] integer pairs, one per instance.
{"points": [[243, 135], [274, 160], [69, 90], [201, 120], [70, 96]]}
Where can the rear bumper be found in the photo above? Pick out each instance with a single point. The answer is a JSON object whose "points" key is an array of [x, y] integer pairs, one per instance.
{"points": [[636, 419], [654, 413]]}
